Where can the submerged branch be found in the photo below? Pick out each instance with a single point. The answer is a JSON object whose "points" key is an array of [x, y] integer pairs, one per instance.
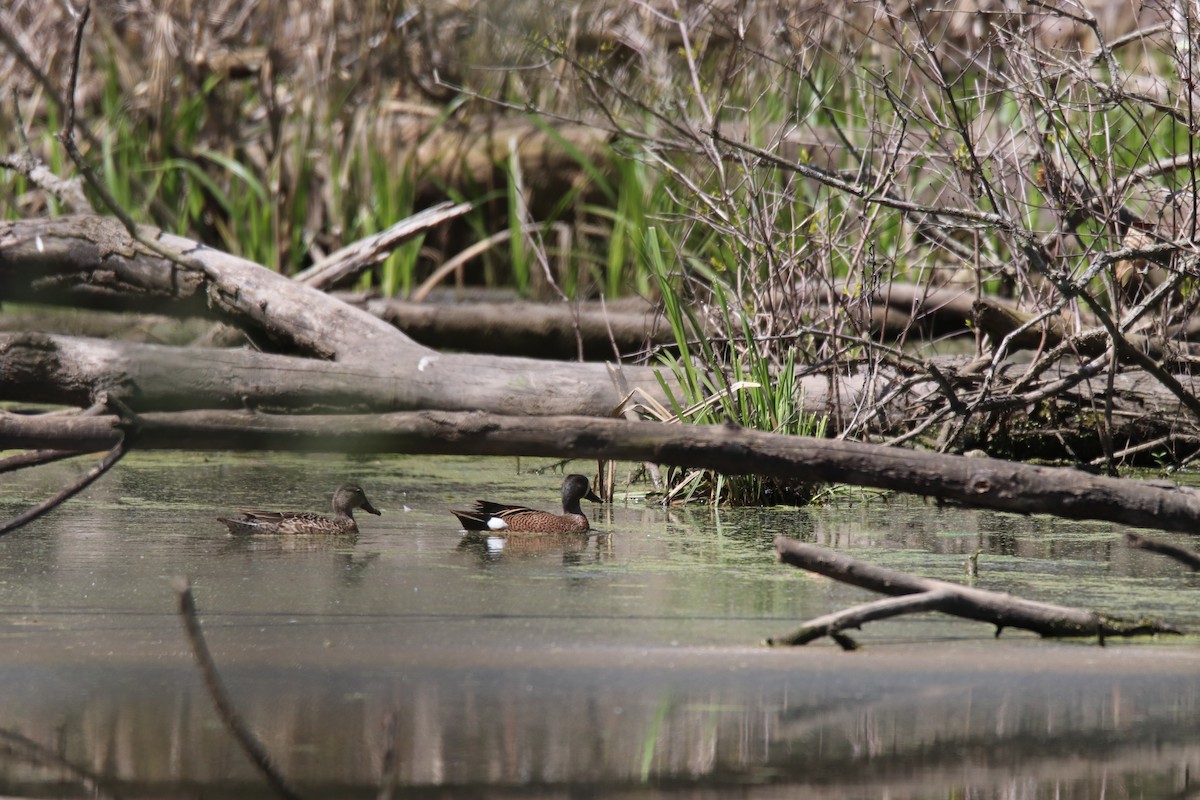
{"points": [[1183, 555], [855, 617], [37, 458], [87, 479], [1001, 610]]}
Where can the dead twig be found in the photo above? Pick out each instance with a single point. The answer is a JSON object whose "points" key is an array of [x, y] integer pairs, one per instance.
{"points": [[49, 90], [352, 259], [1183, 555], [66, 137], [87, 479], [461, 258], [628, 411], [68, 191], [36, 458], [250, 744], [538, 247], [855, 617], [924, 594]]}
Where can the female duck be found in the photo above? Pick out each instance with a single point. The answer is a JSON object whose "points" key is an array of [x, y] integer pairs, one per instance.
{"points": [[345, 500], [489, 516]]}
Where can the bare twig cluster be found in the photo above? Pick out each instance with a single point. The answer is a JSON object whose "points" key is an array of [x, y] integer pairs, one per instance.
{"points": [[35, 458], [1030, 158]]}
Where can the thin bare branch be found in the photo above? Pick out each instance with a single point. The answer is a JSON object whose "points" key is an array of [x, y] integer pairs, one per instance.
{"points": [[1184, 555], [129, 424], [249, 743]]}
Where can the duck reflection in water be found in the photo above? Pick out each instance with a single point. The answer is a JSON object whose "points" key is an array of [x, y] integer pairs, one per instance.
{"points": [[492, 547]]}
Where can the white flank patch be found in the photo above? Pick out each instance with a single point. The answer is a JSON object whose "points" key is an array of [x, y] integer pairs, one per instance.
{"points": [[497, 524], [425, 363]]}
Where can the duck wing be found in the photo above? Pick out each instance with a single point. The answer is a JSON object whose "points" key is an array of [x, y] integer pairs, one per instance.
{"points": [[247, 521], [520, 519], [489, 516], [253, 521]]}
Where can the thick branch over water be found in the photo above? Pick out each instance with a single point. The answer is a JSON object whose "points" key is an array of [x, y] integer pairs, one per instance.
{"points": [[980, 482]]}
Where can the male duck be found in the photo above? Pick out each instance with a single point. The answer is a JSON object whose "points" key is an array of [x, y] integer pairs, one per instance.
{"points": [[489, 516], [345, 500]]}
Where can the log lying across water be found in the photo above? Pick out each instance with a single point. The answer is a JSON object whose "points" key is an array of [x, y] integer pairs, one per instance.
{"points": [[980, 482], [913, 594]]}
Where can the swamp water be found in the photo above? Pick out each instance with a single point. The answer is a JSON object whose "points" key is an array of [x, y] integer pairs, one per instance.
{"points": [[624, 664]]}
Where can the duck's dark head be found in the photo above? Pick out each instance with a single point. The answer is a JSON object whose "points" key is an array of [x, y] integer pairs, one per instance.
{"points": [[351, 496], [575, 488]]}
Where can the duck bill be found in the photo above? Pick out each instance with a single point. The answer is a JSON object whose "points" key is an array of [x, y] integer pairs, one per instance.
{"points": [[370, 509], [591, 495]]}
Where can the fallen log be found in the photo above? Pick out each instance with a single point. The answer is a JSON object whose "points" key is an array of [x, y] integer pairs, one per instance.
{"points": [[350, 261], [926, 594], [979, 482], [66, 370], [83, 259], [547, 331]]}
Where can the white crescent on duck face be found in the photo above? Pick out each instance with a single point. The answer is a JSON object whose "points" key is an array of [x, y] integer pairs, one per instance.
{"points": [[489, 516], [347, 498]]}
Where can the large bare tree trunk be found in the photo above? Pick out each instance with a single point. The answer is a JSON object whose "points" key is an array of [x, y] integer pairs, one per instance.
{"points": [[70, 370]]}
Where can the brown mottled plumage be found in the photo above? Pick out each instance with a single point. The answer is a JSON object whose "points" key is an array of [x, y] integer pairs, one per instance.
{"points": [[345, 500], [489, 516]]}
